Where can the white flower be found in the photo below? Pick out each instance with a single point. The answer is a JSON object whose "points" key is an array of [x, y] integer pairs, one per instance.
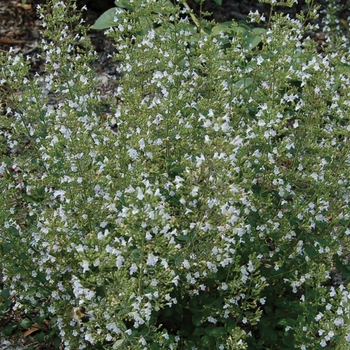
{"points": [[140, 195], [319, 316], [59, 193], [259, 60], [133, 268], [211, 319], [120, 260], [85, 265], [152, 260], [132, 153]]}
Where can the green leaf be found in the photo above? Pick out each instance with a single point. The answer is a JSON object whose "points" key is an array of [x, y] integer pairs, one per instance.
{"points": [[197, 319], [118, 344], [8, 329], [240, 31], [154, 346], [23, 256], [4, 306], [281, 303], [57, 342], [259, 31], [40, 337], [215, 331], [210, 329], [178, 260], [167, 5], [222, 27], [26, 323], [268, 310], [244, 83], [206, 342], [100, 291], [310, 251], [136, 255], [198, 331], [230, 324], [146, 25], [252, 41], [176, 171], [125, 5], [286, 322], [7, 161], [13, 232], [106, 20], [53, 322], [182, 238], [5, 293]]}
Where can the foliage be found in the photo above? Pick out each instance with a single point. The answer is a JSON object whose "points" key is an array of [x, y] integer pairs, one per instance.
{"points": [[214, 213], [109, 18]]}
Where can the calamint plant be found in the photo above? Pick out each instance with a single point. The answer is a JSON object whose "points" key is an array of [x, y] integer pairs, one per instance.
{"points": [[203, 204]]}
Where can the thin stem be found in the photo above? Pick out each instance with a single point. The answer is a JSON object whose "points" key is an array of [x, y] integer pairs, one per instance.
{"points": [[193, 17]]}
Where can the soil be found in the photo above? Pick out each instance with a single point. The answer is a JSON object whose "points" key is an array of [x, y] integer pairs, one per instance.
{"points": [[20, 29]]}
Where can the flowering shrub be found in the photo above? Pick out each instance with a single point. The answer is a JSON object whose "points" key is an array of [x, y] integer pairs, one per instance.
{"points": [[207, 208]]}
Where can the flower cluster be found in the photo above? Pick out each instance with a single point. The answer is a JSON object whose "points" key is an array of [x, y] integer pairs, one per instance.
{"points": [[217, 212]]}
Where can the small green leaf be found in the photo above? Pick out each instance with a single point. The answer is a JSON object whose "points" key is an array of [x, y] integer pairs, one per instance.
{"points": [[5, 293], [244, 83], [26, 323], [106, 20], [8, 329], [57, 342], [268, 310], [23, 256], [176, 171], [253, 41], [222, 27], [53, 322], [118, 344], [310, 251], [215, 331], [7, 161], [154, 346], [136, 255], [286, 322], [178, 260], [182, 238], [124, 5], [100, 291], [13, 231], [206, 342], [259, 31], [146, 27], [4, 306], [167, 5], [40, 337], [197, 319], [199, 331]]}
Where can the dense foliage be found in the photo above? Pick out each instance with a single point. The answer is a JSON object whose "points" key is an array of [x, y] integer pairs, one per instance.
{"points": [[202, 205]]}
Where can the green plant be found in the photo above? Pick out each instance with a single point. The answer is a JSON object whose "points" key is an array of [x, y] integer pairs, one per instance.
{"points": [[217, 212], [109, 18]]}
